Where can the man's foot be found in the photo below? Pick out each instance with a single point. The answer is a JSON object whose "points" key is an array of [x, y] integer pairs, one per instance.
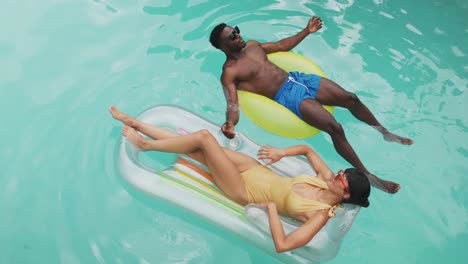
{"points": [[386, 186], [124, 118], [136, 139], [395, 138]]}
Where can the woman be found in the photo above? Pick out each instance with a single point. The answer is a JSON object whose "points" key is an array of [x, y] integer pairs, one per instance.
{"points": [[311, 200]]}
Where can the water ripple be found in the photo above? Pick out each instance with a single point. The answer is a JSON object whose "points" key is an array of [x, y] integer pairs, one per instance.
{"points": [[62, 199]]}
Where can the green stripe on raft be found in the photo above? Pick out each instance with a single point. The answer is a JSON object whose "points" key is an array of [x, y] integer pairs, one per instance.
{"points": [[206, 193], [272, 116]]}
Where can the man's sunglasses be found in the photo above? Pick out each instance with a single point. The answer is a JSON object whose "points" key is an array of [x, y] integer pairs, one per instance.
{"points": [[235, 31]]}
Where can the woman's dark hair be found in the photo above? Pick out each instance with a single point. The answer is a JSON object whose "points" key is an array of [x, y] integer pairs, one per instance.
{"points": [[359, 187], [215, 34]]}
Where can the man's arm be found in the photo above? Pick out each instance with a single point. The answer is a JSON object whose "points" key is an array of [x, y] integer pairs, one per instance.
{"points": [[232, 103], [286, 44]]}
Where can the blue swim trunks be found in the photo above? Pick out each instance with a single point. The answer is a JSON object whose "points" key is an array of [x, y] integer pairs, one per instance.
{"points": [[296, 89]]}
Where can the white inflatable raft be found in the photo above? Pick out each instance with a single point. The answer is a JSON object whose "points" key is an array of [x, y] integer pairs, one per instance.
{"points": [[185, 184]]}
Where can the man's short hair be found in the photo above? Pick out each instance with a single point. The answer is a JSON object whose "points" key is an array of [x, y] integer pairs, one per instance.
{"points": [[215, 34]]}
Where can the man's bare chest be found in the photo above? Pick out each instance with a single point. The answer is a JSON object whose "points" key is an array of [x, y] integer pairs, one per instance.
{"points": [[250, 67]]}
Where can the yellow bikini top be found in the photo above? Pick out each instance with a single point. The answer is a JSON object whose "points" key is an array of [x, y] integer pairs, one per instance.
{"points": [[294, 203]]}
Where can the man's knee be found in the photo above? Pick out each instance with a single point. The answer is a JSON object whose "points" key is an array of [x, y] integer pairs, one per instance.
{"points": [[335, 128], [351, 100]]}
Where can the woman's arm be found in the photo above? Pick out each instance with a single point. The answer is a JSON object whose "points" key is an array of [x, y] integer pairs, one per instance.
{"points": [[275, 154], [298, 237]]}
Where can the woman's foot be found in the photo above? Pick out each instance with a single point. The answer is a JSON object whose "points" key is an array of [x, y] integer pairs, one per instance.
{"points": [[386, 186], [136, 139], [124, 118]]}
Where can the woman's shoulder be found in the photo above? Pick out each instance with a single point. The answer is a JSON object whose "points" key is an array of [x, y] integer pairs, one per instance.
{"points": [[318, 217], [312, 180], [326, 175]]}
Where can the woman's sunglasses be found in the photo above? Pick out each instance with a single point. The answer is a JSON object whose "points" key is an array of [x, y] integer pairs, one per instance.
{"points": [[346, 188], [235, 31]]}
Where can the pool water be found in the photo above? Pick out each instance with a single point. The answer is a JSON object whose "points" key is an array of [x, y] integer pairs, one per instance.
{"points": [[63, 63]]}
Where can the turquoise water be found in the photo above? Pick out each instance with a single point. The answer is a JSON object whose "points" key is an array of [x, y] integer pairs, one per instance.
{"points": [[63, 62]]}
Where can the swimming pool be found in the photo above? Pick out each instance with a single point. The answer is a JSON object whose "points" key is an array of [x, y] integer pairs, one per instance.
{"points": [[64, 62]]}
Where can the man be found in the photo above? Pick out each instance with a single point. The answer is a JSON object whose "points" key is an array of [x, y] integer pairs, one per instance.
{"points": [[248, 68]]}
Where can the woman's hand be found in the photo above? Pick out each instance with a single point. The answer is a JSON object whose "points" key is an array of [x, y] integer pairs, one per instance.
{"points": [[270, 153]]}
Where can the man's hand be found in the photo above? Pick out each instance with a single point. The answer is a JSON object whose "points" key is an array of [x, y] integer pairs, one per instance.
{"points": [[315, 23], [228, 129]]}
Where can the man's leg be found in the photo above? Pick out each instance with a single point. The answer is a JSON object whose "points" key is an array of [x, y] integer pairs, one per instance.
{"points": [[330, 93], [314, 114]]}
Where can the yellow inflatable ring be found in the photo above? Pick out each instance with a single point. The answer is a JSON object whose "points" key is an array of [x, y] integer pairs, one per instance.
{"points": [[272, 116]]}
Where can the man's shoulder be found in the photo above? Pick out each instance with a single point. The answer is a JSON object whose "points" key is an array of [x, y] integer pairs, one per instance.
{"points": [[229, 64], [253, 42], [229, 69], [253, 45]]}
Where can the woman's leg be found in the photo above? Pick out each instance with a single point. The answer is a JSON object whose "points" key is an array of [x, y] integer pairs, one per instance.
{"points": [[225, 173], [243, 162], [151, 131], [224, 164]]}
